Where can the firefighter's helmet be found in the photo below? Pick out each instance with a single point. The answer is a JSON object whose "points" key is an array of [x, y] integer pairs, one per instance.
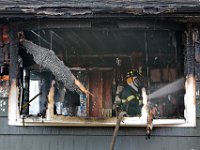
{"points": [[133, 76], [132, 73]]}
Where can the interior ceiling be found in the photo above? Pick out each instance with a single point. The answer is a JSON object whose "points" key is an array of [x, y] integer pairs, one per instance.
{"points": [[101, 41], [104, 42]]}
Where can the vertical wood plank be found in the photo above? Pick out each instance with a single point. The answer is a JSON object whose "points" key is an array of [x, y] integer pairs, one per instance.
{"points": [[107, 89], [96, 86]]}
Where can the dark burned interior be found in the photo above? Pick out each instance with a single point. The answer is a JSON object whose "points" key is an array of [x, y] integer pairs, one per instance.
{"points": [[100, 56]]}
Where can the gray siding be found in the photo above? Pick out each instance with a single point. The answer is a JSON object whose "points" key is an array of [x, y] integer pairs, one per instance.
{"points": [[60, 142], [77, 138]]}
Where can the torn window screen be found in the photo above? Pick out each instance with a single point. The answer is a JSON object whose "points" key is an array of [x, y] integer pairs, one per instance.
{"points": [[47, 59], [114, 65]]}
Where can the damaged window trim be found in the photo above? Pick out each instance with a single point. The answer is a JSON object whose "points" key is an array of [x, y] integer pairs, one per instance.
{"points": [[189, 121], [53, 120]]}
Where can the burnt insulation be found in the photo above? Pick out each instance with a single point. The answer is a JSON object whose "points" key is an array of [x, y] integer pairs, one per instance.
{"points": [[48, 59]]}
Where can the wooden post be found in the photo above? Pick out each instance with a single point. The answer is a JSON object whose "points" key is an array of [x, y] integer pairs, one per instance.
{"points": [[13, 93], [50, 108]]}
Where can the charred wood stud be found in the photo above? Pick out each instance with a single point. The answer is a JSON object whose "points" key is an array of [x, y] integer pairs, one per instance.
{"points": [[13, 51], [50, 108]]}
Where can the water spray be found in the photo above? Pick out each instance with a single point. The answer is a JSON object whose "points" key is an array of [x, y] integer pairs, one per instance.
{"points": [[165, 90], [169, 88]]}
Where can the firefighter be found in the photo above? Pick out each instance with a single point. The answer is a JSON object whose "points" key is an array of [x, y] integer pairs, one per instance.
{"points": [[131, 97]]}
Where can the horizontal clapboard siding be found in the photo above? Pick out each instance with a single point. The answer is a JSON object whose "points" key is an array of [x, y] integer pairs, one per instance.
{"points": [[77, 138]]}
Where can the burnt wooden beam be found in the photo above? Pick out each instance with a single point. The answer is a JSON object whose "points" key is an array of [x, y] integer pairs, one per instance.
{"points": [[191, 37], [13, 35], [37, 24], [50, 7], [14, 91], [91, 8], [139, 54], [94, 24]]}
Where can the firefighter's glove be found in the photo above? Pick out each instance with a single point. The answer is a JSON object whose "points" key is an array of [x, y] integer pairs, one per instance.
{"points": [[140, 102], [138, 97], [117, 100], [115, 106], [125, 101]]}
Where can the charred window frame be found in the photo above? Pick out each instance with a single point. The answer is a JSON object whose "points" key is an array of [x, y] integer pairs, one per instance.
{"points": [[188, 117], [4, 73]]}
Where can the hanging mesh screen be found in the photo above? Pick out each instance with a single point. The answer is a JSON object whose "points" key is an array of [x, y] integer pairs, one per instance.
{"points": [[48, 59]]}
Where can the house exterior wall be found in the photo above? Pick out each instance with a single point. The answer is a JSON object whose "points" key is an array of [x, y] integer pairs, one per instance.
{"points": [[84, 138], [95, 138]]}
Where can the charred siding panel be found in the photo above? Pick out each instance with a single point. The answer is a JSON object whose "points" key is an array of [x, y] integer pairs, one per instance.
{"points": [[50, 3], [78, 7]]}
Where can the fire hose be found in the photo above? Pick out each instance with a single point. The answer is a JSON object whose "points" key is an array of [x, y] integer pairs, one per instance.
{"points": [[119, 119]]}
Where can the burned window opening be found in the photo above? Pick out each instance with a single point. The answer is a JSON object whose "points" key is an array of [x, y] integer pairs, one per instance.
{"points": [[92, 55], [106, 61]]}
